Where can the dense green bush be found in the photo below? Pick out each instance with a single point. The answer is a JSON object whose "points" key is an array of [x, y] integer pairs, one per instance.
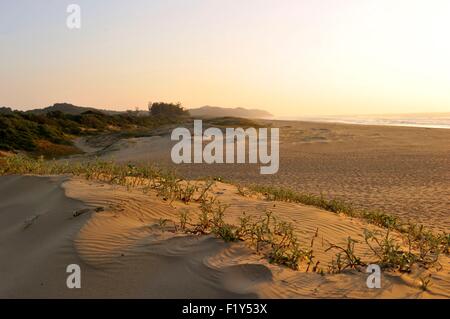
{"points": [[29, 132], [161, 109]]}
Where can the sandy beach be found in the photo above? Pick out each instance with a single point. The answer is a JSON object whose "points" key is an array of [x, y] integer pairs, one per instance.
{"points": [[114, 232], [402, 171]]}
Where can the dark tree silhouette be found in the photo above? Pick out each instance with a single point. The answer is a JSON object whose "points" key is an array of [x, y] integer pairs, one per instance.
{"points": [[170, 110]]}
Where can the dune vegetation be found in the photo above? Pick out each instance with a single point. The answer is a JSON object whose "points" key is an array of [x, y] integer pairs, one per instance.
{"points": [[398, 248], [51, 134]]}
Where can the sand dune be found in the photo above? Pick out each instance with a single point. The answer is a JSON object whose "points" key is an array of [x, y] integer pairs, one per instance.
{"points": [[124, 253], [36, 236]]}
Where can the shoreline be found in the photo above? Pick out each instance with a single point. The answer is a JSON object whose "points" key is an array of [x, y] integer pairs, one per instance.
{"points": [[445, 126]]}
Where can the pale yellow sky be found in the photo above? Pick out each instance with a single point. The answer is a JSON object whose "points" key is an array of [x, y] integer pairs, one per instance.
{"points": [[292, 58]]}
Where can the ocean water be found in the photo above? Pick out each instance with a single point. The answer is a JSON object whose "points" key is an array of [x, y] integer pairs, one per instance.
{"points": [[437, 120]]}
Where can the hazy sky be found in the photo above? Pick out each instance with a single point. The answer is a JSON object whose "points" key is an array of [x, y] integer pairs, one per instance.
{"points": [[299, 57]]}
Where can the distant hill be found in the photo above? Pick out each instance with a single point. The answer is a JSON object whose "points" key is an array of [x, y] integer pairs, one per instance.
{"points": [[71, 109], [215, 111]]}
